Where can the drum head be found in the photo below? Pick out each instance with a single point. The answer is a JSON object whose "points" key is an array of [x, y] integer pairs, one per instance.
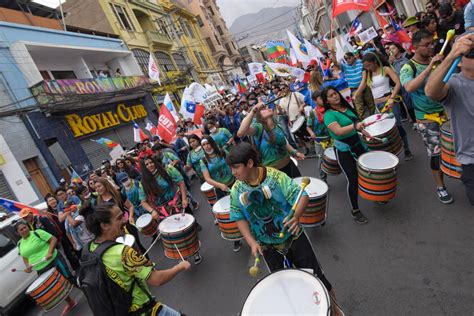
{"points": [[315, 188], [222, 206], [380, 127], [297, 124], [378, 160], [40, 280], [330, 153], [176, 223], [206, 187], [143, 220], [126, 239], [288, 292]]}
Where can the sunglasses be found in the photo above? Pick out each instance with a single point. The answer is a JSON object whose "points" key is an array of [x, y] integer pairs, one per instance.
{"points": [[470, 55]]}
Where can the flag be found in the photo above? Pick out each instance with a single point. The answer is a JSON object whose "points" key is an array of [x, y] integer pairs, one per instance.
{"points": [[260, 77], [300, 50], [242, 86], [284, 70], [151, 128], [356, 27], [339, 51], [169, 104], [340, 6], [138, 134], [313, 51], [382, 21], [188, 106], [75, 177], [153, 71], [293, 58], [255, 68], [166, 125], [14, 206], [402, 35], [198, 92], [275, 49], [106, 142], [198, 114]]}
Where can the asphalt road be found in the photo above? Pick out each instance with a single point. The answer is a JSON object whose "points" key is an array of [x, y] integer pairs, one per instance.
{"points": [[414, 257]]}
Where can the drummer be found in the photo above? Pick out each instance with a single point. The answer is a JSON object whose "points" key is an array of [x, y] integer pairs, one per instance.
{"points": [[216, 172], [222, 136], [260, 221], [38, 249], [270, 141], [343, 125], [131, 188], [126, 266], [194, 156]]}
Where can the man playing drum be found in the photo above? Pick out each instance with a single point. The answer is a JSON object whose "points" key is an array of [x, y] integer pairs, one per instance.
{"points": [[261, 199]]}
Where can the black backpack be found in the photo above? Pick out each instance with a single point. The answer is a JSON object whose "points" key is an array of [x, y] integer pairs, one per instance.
{"points": [[105, 297]]}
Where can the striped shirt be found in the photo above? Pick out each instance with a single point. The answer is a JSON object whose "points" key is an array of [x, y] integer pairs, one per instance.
{"points": [[353, 73]]}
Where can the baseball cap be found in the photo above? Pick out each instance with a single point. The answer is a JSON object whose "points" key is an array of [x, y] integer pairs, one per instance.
{"points": [[121, 177], [25, 212]]}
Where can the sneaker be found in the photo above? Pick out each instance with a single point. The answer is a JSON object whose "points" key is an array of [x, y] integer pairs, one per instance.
{"points": [[197, 259], [359, 218], [196, 205], [443, 196], [408, 155], [215, 221], [237, 246], [68, 308]]}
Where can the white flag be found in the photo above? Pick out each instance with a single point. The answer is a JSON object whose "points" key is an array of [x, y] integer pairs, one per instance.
{"points": [[198, 92], [283, 70], [293, 58], [153, 71], [188, 105], [300, 50], [339, 51], [313, 52], [255, 68], [169, 104]]}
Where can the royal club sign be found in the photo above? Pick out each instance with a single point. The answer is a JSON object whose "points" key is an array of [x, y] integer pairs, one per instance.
{"points": [[88, 124]]}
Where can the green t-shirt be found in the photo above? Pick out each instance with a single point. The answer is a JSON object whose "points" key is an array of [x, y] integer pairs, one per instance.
{"points": [[194, 159], [218, 169], [168, 156], [222, 137], [168, 191], [123, 264], [332, 116], [423, 104], [35, 248], [271, 153], [265, 216]]}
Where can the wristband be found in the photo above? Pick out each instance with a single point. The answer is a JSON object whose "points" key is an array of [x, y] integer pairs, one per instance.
{"points": [[293, 152], [355, 126]]}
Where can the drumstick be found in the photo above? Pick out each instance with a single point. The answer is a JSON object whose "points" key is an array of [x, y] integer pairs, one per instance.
{"points": [[253, 271], [34, 264], [176, 247], [449, 35], [152, 244], [452, 69], [304, 183]]}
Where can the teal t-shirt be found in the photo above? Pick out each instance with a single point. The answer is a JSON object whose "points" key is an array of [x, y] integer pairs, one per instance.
{"points": [[271, 153], [423, 104], [218, 169], [133, 195], [168, 156], [222, 137], [332, 116], [265, 216], [168, 191], [194, 159], [318, 128]]}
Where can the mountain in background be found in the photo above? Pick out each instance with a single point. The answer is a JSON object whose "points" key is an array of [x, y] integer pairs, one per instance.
{"points": [[266, 24]]}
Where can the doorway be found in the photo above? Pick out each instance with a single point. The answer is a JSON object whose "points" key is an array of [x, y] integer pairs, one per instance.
{"points": [[37, 175]]}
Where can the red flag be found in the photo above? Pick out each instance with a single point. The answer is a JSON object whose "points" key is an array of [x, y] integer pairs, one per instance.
{"points": [[166, 125], [260, 77], [340, 6], [381, 19], [198, 113]]}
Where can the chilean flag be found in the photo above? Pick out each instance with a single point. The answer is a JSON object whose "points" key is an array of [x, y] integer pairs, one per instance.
{"points": [[169, 104], [356, 27], [151, 128], [166, 125], [138, 135], [14, 206], [198, 113], [402, 35]]}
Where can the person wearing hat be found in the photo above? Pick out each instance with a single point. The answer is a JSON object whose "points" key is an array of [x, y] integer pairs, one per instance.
{"points": [[456, 96], [450, 19], [411, 25], [35, 222]]}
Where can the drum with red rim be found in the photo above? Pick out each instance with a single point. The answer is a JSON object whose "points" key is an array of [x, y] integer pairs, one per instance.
{"points": [[179, 231], [147, 225], [228, 228], [316, 211], [209, 192]]}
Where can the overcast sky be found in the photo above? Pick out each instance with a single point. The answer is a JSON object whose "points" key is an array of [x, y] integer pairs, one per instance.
{"points": [[50, 3], [232, 9]]}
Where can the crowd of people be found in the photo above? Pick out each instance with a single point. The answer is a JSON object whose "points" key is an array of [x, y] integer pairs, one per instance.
{"points": [[246, 143]]}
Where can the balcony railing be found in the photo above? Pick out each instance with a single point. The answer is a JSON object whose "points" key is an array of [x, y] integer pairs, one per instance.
{"points": [[158, 38]]}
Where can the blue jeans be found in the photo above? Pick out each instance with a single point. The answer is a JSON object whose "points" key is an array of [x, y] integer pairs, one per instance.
{"points": [[168, 311]]}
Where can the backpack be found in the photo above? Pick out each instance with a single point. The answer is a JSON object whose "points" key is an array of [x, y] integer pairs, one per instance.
{"points": [[105, 296]]}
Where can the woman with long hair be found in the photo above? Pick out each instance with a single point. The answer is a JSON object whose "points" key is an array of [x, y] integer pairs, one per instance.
{"points": [[221, 135], [343, 125], [163, 191], [377, 76], [270, 141], [106, 193], [129, 169], [194, 156]]}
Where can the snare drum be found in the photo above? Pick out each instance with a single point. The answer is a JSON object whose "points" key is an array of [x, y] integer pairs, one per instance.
{"points": [[49, 289], [377, 176], [228, 228], [288, 292], [147, 225], [329, 164], [297, 124], [209, 192], [179, 230], [449, 164], [316, 211], [384, 129]]}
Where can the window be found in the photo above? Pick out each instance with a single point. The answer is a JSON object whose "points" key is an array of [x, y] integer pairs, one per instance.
{"points": [[165, 61], [122, 16], [203, 60], [189, 28], [217, 39], [6, 245], [163, 29], [45, 75], [142, 57], [198, 58], [219, 29], [210, 44], [199, 20], [210, 10], [67, 74], [180, 61], [227, 47]]}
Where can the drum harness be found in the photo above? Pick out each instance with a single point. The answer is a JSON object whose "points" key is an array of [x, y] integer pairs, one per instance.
{"points": [[343, 146]]}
